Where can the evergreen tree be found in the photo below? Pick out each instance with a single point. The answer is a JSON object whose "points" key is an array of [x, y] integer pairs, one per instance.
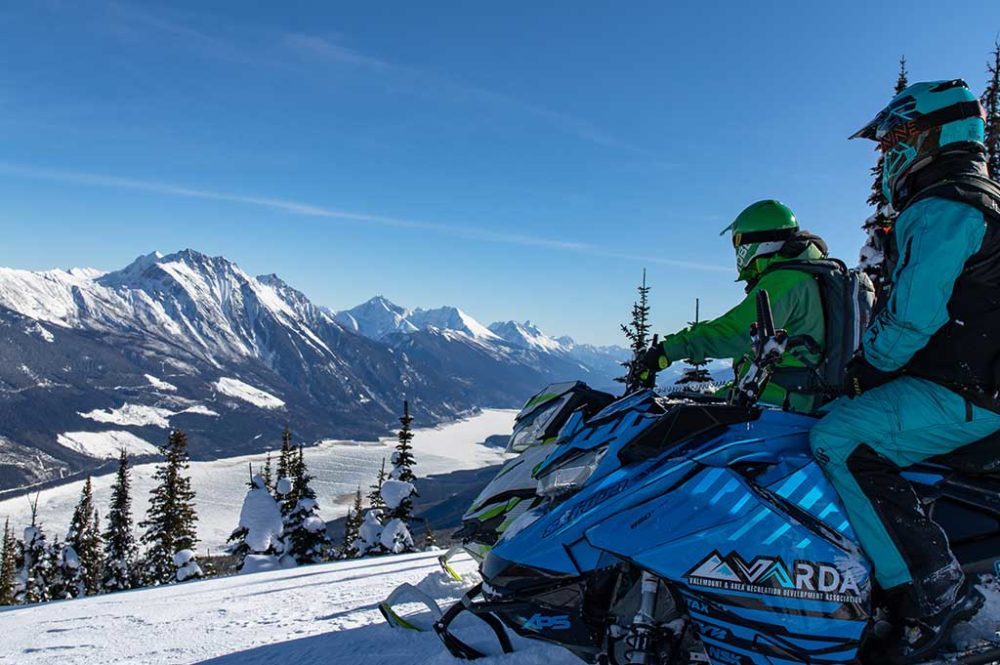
{"points": [[84, 538], [266, 474], [8, 565], [119, 571], [259, 532], [305, 532], [637, 334], [397, 490], [991, 104], [375, 491], [286, 456], [65, 574], [352, 526], [32, 582], [170, 534], [285, 486], [878, 224]]}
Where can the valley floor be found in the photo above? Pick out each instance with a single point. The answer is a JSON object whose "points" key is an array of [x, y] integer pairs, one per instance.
{"points": [[323, 614], [339, 467]]}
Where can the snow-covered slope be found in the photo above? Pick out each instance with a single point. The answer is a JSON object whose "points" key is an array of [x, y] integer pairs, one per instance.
{"points": [[319, 615]]}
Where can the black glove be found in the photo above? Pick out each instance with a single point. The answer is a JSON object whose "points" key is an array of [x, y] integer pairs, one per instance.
{"points": [[862, 376], [652, 361]]}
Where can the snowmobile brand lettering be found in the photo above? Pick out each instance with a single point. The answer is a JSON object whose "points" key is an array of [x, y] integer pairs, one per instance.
{"points": [[543, 622], [770, 576], [594, 501], [639, 521], [721, 656]]}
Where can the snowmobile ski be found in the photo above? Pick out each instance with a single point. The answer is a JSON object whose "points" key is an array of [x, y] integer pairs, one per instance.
{"points": [[482, 611], [407, 593]]}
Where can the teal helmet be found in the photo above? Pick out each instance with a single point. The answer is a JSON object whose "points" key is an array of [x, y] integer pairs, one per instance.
{"points": [[918, 122]]}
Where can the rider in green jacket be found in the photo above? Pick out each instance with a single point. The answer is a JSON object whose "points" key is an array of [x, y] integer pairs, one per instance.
{"points": [[765, 235]]}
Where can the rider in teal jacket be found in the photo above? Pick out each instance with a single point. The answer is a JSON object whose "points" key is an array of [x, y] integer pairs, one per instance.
{"points": [[925, 384]]}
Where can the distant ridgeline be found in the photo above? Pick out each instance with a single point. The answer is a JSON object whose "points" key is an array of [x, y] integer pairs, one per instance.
{"points": [[93, 363]]}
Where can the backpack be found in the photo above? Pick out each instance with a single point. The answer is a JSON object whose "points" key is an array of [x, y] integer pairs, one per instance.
{"points": [[847, 296]]}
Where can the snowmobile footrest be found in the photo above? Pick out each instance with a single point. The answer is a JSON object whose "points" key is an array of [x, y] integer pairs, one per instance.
{"points": [[982, 658], [457, 647]]}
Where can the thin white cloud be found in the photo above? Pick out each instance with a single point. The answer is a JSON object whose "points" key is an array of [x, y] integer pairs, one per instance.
{"points": [[326, 50], [279, 49], [309, 210]]}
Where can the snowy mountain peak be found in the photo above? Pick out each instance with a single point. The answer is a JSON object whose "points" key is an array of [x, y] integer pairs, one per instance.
{"points": [[454, 319], [376, 318], [526, 335]]}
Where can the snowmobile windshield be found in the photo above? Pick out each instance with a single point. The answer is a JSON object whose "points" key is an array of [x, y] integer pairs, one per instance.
{"points": [[571, 475], [530, 430]]}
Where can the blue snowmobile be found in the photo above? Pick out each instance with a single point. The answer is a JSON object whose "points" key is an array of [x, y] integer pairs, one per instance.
{"points": [[702, 531]]}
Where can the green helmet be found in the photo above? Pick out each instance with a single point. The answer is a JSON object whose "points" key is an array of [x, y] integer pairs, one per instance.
{"points": [[759, 231]]}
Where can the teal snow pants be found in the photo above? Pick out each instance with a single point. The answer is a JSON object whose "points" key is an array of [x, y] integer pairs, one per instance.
{"points": [[863, 443]]}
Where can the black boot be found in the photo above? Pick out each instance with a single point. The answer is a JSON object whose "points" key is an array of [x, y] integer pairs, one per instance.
{"points": [[950, 601]]}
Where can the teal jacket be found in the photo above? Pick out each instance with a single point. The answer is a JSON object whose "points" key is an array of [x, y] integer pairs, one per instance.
{"points": [[935, 238]]}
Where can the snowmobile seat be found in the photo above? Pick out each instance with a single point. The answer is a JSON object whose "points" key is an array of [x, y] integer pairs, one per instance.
{"points": [[978, 459]]}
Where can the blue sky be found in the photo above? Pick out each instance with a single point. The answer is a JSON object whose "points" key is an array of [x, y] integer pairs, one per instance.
{"points": [[518, 160]]}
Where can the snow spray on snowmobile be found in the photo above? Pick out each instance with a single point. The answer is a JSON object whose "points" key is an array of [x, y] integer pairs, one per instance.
{"points": [[703, 531]]}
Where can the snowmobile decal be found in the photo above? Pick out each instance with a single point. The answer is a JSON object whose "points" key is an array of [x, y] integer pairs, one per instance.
{"points": [[543, 622], [771, 576]]}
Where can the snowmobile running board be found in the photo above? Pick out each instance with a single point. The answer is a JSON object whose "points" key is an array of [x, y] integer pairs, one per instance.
{"points": [[989, 657], [457, 647], [408, 593]]}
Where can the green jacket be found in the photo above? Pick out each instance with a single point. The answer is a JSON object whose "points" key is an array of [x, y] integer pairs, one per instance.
{"points": [[796, 306]]}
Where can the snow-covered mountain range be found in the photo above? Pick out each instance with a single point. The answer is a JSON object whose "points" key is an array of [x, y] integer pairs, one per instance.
{"points": [[91, 362]]}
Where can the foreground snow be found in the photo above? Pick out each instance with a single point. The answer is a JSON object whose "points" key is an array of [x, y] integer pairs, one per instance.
{"points": [[339, 468], [319, 614]]}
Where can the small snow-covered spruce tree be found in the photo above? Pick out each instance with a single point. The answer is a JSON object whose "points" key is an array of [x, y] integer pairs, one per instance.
{"points": [[398, 490], [267, 475], [170, 535], [370, 531], [32, 580], [65, 576], [286, 458], [238, 538], [119, 571], [305, 530], [8, 565], [637, 334], [375, 501], [352, 527], [84, 538], [258, 538], [991, 104], [284, 487]]}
